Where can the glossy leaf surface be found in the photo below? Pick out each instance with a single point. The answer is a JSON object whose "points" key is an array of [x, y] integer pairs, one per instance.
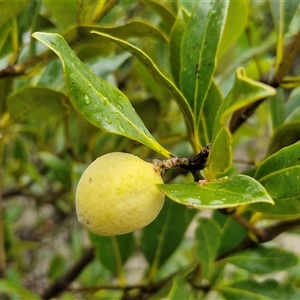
{"points": [[198, 50], [280, 175], [231, 192], [208, 113], [157, 75], [283, 136], [235, 23], [198, 58], [175, 45], [101, 103]]}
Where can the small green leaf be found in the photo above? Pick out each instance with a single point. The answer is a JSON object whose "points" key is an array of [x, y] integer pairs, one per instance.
{"points": [[175, 44], [161, 238], [157, 75], [163, 10], [277, 108], [244, 92], [179, 289], [283, 136], [61, 168], [114, 251], [223, 193], [232, 233], [208, 114], [235, 23], [208, 235], [57, 266], [221, 158], [280, 175], [101, 103], [262, 260]]}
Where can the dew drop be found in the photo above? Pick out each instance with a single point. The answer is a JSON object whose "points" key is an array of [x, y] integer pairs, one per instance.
{"points": [[87, 99], [107, 120]]}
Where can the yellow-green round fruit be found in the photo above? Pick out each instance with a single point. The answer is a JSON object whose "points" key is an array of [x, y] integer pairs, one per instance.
{"points": [[116, 194]]}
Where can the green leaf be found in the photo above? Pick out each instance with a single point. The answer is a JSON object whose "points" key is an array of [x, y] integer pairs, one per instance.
{"points": [[13, 288], [208, 235], [133, 28], [161, 238], [220, 159], [179, 289], [62, 168], [263, 260], [114, 251], [161, 8], [277, 108], [232, 233], [175, 44], [244, 92], [237, 292], [198, 52], [157, 75], [222, 193], [284, 135], [208, 114], [36, 103], [282, 14], [235, 23], [250, 289], [280, 175], [57, 266], [62, 19], [101, 103], [292, 103]]}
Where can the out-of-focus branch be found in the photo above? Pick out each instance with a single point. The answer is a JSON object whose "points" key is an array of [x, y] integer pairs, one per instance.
{"points": [[62, 283]]}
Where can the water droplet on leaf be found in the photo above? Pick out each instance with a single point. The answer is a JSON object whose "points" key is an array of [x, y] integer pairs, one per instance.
{"points": [[87, 99]]}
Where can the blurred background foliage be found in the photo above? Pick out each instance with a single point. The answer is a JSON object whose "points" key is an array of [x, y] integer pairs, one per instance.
{"points": [[45, 145]]}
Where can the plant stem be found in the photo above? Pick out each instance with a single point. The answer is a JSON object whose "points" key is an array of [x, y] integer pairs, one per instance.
{"points": [[193, 164]]}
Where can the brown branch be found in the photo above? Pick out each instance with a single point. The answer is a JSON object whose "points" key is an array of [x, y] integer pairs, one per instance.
{"points": [[62, 283]]}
